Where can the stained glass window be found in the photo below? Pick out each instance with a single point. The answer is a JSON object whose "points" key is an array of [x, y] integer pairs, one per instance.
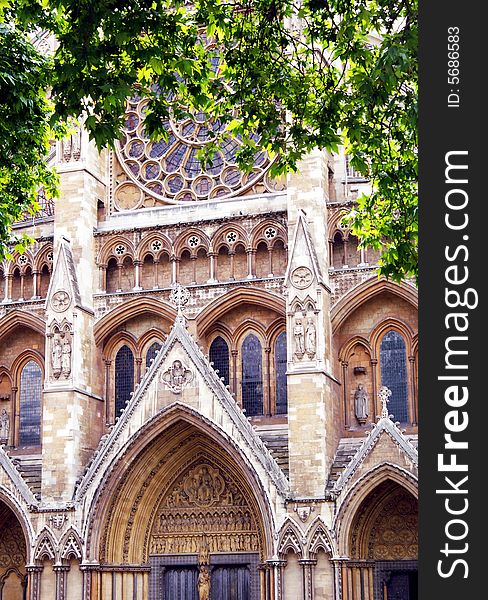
{"points": [[153, 164], [252, 376], [124, 378], [393, 364], [219, 355], [30, 405], [280, 370], [151, 353]]}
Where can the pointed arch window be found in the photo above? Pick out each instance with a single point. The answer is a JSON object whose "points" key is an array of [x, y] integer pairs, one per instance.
{"points": [[252, 376], [219, 355], [151, 353], [393, 365], [124, 378], [30, 405], [280, 370]]}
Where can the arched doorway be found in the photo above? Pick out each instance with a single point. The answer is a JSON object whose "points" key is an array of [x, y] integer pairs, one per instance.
{"points": [[180, 519], [13, 556], [383, 545]]}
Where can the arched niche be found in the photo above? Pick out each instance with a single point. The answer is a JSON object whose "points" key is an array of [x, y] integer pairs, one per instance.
{"points": [[382, 543], [13, 553]]}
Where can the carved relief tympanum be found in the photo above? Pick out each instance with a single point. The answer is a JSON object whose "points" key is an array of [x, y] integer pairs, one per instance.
{"points": [[204, 508]]}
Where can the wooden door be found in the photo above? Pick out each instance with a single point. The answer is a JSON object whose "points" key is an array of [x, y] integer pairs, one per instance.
{"points": [[230, 582], [180, 583]]}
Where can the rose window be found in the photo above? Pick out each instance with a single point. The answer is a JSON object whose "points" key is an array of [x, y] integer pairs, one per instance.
{"points": [[231, 237], [23, 259], [270, 233], [193, 241], [119, 249], [168, 170], [157, 245], [50, 256]]}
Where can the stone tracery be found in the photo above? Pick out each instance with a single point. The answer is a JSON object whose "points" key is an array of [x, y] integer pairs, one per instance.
{"points": [[169, 170]]}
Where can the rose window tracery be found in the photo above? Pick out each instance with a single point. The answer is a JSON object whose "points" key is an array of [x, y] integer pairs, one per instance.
{"points": [[157, 245], [119, 250], [168, 170]]}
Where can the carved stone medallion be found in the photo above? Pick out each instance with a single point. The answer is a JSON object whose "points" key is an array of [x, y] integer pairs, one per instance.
{"points": [[204, 485], [60, 301], [176, 377], [302, 277]]}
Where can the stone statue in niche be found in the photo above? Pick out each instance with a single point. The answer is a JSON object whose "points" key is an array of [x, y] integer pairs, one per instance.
{"points": [[310, 338], [56, 357], [66, 358], [299, 335], [4, 427], [361, 403], [71, 146]]}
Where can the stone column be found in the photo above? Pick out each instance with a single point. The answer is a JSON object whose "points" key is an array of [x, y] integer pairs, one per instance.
{"points": [[278, 567], [119, 277], [193, 259], [34, 581], [35, 291], [231, 258], [75, 398], [267, 380], [376, 412], [251, 254], [8, 287], [61, 574], [174, 269], [102, 278], [234, 354], [212, 256], [413, 368], [137, 282], [347, 422], [307, 570], [315, 404]]}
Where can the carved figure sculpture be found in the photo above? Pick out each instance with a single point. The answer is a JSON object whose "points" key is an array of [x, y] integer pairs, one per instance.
{"points": [[361, 403], [204, 583], [310, 338], [4, 427], [66, 358], [56, 354], [299, 335]]}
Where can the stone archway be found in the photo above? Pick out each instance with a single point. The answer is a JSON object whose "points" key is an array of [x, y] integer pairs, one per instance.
{"points": [[178, 510], [13, 556], [383, 546]]}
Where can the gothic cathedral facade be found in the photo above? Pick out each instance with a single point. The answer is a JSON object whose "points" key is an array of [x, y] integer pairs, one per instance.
{"points": [[206, 392]]}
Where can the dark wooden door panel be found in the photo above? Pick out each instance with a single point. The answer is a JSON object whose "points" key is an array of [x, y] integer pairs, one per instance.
{"points": [[180, 583], [230, 583]]}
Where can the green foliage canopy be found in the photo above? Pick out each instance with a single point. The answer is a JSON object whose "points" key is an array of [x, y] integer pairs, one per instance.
{"points": [[300, 73]]}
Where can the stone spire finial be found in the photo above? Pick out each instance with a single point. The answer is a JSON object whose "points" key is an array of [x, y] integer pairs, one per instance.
{"points": [[179, 296], [384, 396]]}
